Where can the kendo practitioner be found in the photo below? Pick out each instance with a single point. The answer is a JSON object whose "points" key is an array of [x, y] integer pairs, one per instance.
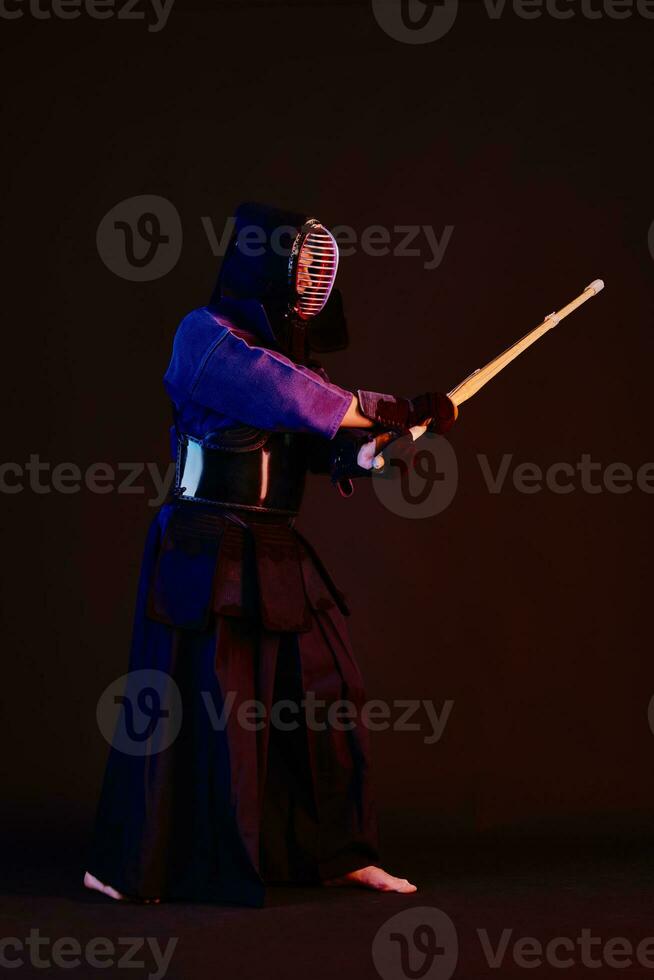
{"points": [[235, 605]]}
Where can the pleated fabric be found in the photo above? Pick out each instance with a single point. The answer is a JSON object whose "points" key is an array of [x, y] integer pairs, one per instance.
{"points": [[232, 612]]}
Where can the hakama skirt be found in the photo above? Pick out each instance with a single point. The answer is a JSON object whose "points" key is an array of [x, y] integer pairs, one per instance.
{"points": [[254, 767]]}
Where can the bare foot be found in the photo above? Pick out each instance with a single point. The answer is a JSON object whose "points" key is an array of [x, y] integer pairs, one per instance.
{"points": [[90, 881], [375, 878]]}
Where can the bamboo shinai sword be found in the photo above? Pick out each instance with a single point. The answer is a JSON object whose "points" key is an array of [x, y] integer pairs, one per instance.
{"points": [[475, 381]]}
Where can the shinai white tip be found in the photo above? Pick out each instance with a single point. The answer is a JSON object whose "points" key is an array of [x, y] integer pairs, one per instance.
{"points": [[597, 286]]}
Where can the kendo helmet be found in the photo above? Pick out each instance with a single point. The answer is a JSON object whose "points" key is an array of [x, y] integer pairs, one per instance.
{"points": [[286, 261]]}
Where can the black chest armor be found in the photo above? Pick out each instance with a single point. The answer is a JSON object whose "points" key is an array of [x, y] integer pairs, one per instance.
{"points": [[243, 468]]}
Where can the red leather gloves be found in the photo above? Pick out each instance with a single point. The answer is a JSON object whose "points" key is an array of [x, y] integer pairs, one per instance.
{"points": [[401, 414]]}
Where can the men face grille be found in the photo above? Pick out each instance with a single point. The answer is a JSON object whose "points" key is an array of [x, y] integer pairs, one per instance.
{"points": [[316, 271]]}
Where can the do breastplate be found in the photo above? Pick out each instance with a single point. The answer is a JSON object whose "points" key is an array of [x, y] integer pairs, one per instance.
{"points": [[245, 468]]}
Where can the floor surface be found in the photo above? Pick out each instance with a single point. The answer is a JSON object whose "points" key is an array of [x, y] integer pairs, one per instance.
{"points": [[481, 911]]}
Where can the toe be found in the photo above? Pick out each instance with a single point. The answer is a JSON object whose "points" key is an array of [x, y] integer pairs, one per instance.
{"points": [[90, 881], [404, 886], [112, 893]]}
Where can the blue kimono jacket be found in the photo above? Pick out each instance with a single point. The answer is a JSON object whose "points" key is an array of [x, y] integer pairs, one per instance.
{"points": [[219, 375]]}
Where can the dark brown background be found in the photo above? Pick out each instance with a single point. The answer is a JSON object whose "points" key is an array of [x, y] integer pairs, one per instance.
{"points": [[531, 612]]}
